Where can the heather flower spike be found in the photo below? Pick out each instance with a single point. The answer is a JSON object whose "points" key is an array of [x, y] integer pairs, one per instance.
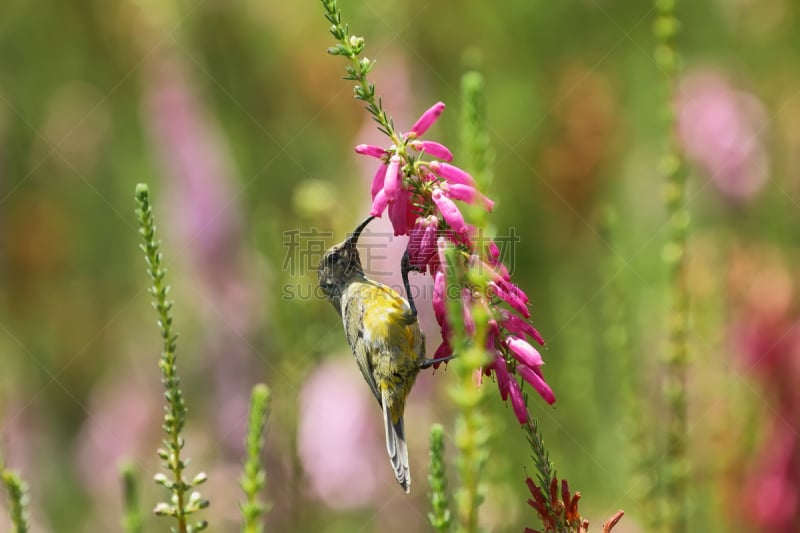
{"points": [[420, 186]]}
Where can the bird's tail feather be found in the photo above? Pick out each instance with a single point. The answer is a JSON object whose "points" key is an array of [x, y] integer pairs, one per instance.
{"points": [[396, 446]]}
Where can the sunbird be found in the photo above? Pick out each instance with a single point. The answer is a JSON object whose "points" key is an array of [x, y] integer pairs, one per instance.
{"points": [[384, 335]]}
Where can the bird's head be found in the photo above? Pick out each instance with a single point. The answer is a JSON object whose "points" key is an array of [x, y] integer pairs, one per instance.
{"points": [[340, 265]]}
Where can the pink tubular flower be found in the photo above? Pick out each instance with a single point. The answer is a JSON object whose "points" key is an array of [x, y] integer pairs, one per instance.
{"points": [[524, 352], [468, 194], [444, 350], [433, 148], [426, 120], [438, 298], [371, 150], [500, 290], [536, 379], [378, 204], [377, 181], [452, 174], [501, 373], [519, 327], [398, 213], [449, 211], [422, 241], [392, 182], [494, 252], [518, 402]]}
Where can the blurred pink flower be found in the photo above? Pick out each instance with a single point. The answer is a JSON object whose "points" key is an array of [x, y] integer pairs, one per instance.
{"points": [[205, 215], [721, 129], [338, 439], [123, 423]]}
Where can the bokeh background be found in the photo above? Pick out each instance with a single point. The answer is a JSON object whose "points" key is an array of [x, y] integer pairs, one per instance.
{"points": [[236, 117]]}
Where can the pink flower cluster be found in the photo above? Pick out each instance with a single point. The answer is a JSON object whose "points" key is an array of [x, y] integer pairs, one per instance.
{"points": [[420, 197]]}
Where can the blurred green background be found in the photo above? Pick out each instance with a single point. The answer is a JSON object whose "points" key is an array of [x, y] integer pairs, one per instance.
{"points": [[239, 121]]}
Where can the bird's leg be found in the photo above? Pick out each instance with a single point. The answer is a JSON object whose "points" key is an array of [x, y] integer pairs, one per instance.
{"points": [[405, 268], [427, 363]]}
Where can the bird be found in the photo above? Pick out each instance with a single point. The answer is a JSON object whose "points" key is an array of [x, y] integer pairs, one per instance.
{"points": [[384, 335]]}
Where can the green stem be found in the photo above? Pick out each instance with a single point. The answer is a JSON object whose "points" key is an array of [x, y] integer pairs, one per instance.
{"points": [[175, 410], [676, 359], [255, 476], [471, 427], [132, 517], [351, 46], [440, 507], [17, 498]]}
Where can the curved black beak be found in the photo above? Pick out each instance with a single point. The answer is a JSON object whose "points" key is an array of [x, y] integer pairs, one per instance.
{"points": [[352, 239]]}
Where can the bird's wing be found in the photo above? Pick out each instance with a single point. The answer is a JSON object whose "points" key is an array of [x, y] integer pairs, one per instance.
{"points": [[353, 319]]}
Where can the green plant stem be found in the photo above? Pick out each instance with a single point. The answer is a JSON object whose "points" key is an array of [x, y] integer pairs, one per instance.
{"points": [[254, 476], [351, 46], [132, 517], [440, 506], [175, 410], [17, 491], [471, 426], [676, 359], [636, 430], [475, 147]]}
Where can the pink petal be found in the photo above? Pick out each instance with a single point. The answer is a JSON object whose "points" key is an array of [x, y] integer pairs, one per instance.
{"points": [[392, 182], [524, 352], [438, 298], [452, 174], [501, 373], [441, 249], [378, 204], [494, 251], [449, 211], [377, 180], [422, 241], [370, 150], [444, 350], [426, 120], [510, 298], [433, 148], [517, 402], [467, 193], [520, 327], [398, 213], [536, 379]]}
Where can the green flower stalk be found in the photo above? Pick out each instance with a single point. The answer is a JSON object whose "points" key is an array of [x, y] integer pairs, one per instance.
{"points": [[472, 429], [17, 491], [675, 478], [255, 476], [618, 339], [182, 503], [437, 477], [132, 515]]}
